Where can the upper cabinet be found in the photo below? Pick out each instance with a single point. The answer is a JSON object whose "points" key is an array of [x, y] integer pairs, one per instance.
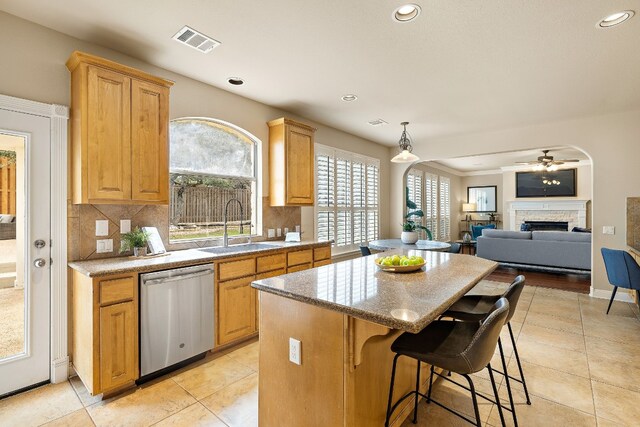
{"points": [[119, 133], [291, 163]]}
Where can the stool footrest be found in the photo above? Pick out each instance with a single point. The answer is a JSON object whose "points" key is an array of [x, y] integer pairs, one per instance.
{"points": [[487, 398]]}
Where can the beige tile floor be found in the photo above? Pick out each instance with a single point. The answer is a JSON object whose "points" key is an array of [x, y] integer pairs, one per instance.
{"points": [[582, 368]]}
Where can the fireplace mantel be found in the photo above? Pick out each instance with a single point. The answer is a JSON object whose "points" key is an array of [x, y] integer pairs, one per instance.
{"points": [[573, 211]]}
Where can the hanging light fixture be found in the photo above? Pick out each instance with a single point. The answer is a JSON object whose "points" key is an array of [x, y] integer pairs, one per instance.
{"points": [[404, 144]]}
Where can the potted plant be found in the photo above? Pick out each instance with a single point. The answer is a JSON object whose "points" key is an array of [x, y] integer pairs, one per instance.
{"points": [[410, 227], [136, 240]]}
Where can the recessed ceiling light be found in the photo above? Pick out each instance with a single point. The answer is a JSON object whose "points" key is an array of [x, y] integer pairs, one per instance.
{"points": [[616, 19], [406, 13], [349, 97], [236, 81]]}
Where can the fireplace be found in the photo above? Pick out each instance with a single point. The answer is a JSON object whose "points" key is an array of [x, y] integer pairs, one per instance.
{"points": [[548, 225]]}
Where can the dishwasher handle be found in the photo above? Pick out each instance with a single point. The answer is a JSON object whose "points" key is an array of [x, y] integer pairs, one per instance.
{"points": [[176, 278]]}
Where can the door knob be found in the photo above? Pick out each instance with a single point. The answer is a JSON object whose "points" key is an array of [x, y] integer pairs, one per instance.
{"points": [[39, 263], [39, 243]]}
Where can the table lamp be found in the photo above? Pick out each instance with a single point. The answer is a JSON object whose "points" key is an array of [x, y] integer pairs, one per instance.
{"points": [[468, 207]]}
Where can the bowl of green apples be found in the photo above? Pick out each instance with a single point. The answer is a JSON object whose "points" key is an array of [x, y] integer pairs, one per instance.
{"points": [[400, 263]]}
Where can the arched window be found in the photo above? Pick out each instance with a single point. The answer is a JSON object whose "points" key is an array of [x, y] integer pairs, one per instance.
{"points": [[211, 163]]}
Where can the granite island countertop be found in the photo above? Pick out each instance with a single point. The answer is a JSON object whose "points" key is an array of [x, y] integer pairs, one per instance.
{"points": [[184, 258], [407, 302]]}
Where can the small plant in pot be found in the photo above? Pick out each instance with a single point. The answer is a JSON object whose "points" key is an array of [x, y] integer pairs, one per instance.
{"points": [[410, 227], [136, 240]]}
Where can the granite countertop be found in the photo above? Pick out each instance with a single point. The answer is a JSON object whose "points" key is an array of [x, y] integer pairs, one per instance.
{"points": [[407, 302], [119, 265]]}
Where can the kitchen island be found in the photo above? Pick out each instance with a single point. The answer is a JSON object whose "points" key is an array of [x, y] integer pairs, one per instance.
{"points": [[346, 316]]}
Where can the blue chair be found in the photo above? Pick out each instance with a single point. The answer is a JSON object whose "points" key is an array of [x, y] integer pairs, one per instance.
{"points": [[476, 230], [365, 251], [455, 248], [622, 271]]}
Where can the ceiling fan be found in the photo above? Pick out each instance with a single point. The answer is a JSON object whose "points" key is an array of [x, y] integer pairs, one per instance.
{"points": [[547, 162]]}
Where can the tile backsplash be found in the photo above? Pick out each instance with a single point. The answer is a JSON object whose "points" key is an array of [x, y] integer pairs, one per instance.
{"points": [[82, 223]]}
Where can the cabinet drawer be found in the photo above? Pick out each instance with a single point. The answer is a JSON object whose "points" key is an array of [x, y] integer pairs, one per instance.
{"points": [[322, 253], [299, 257], [274, 273], [116, 290], [271, 262], [321, 262], [235, 269], [299, 268]]}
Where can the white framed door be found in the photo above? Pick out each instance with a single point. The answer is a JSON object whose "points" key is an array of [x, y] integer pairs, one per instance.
{"points": [[25, 253]]}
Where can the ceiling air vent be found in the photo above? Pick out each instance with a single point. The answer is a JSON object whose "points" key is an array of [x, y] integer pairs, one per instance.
{"points": [[196, 40], [378, 122]]}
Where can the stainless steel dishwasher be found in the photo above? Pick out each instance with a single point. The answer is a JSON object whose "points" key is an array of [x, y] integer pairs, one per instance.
{"points": [[176, 316]]}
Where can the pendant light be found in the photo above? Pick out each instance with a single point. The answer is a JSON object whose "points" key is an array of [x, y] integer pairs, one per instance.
{"points": [[405, 155]]}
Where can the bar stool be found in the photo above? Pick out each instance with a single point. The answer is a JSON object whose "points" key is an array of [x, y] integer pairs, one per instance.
{"points": [[461, 347], [473, 308]]}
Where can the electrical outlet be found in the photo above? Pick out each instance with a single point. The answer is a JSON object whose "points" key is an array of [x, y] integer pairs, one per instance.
{"points": [[297, 228], [279, 232], [271, 233], [608, 229], [286, 230], [125, 226], [102, 227], [104, 246], [295, 350]]}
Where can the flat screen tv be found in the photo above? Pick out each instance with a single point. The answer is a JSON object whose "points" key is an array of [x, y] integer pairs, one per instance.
{"points": [[561, 183]]}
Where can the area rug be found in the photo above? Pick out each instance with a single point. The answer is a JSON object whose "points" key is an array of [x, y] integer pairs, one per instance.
{"points": [[11, 321]]}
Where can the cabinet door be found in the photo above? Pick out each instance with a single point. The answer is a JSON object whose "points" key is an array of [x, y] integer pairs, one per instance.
{"points": [[236, 309], [118, 342], [149, 142], [299, 166], [108, 136]]}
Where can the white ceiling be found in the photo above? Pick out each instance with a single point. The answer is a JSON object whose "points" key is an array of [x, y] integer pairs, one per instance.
{"points": [[496, 161], [462, 66]]}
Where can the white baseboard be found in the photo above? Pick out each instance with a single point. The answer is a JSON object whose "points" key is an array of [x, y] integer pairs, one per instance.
{"points": [[622, 294], [60, 370]]}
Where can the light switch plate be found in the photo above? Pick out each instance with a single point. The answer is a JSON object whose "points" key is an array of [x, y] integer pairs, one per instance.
{"points": [[102, 227], [295, 351], [608, 229], [104, 246], [271, 233], [286, 230], [125, 226], [279, 232], [297, 228]]}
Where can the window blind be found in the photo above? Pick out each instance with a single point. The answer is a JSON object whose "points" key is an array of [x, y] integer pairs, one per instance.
{"points": [[347, 197]]}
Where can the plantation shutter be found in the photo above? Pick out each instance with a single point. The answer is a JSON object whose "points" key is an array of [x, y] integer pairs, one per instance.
{"points": [[444, 230], [431, 203], [346, 197]]}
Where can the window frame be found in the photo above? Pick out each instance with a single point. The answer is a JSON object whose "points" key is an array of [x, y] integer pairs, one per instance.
{"points": [[256, 186], [351, 157]]}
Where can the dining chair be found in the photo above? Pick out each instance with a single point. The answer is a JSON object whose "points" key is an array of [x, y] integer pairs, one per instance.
{"points": [[455, 248], [622, 271], [365, 251]]}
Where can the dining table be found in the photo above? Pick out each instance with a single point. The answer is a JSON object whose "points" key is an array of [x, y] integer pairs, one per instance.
{"points": [[421, 245]]}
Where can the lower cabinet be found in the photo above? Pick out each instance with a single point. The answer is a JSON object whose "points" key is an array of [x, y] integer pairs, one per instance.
{"points": [[117, 345], [104, 329], [236, 309]]}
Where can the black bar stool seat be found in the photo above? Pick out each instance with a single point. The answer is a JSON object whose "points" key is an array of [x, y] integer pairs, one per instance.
{"points": [[461, 347]]}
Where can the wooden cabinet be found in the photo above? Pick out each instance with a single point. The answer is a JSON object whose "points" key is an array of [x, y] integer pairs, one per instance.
{"points": [[119, 133], [118, 364], [105, 331], [236, 309], [291, 163]]}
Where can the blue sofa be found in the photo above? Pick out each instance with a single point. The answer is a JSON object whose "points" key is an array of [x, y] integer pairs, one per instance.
{"points": [[559, 249]]}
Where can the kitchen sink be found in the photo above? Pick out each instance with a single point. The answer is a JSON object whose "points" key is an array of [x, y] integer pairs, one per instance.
{"points": [[240, 248]]}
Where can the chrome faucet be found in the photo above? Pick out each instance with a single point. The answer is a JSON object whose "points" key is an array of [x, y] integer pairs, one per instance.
{"points": [[225, 236]]}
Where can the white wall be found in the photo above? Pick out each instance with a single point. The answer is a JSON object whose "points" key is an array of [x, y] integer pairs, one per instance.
{"points": [[482, 180], [612, 142], [33, 67]]}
